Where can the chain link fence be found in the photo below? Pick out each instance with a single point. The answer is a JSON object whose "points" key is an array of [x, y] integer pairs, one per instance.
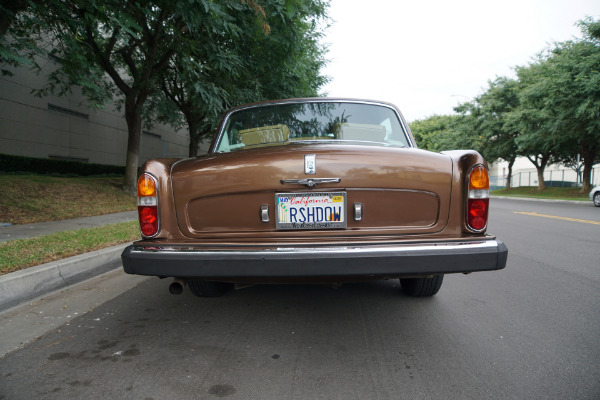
{"points": [[552, 178]]}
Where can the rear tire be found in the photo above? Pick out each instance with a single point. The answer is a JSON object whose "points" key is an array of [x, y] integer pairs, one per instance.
{"points": [[422, 287], [209, 288], [597, 199]]}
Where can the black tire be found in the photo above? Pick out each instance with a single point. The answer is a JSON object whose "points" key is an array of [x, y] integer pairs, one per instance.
{"points": [[422, 287], [597, 199], [209, 288]]}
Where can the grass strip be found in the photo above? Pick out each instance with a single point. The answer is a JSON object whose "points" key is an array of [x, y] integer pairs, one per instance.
{"points": [[23, 253], [555, 193], [25, 199]]}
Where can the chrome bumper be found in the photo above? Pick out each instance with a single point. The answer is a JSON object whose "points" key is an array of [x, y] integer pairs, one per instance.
{"points": [[385, 261]]}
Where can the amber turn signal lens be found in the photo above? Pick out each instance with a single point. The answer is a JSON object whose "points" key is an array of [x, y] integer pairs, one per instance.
{"points": [[479, 178], [146, 186]]}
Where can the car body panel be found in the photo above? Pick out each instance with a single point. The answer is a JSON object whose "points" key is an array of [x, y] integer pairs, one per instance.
{"points": [[401, 190], [595, 196]]}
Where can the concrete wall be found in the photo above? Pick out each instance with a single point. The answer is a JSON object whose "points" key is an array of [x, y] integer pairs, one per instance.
{"points": [[67, 128]]}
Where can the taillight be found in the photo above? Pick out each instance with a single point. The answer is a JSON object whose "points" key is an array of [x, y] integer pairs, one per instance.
{"points": [[147, 205], [478, 199]]}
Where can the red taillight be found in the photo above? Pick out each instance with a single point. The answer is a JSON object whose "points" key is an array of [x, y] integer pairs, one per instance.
{"points": [[479, 198], [148, 220], [478, 213], [148, 205]]}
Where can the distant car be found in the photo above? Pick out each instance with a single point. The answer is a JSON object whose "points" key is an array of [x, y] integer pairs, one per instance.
{"points": [[314, 190], [595, 196]]}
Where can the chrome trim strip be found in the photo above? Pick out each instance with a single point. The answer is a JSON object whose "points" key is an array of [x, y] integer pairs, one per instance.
{"points": [[323, 252], [311, 182]]}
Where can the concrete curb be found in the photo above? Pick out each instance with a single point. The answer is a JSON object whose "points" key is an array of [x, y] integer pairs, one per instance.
{"points": [[22, 286]]}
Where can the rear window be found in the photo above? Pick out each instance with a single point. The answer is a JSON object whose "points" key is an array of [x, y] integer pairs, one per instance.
{"points": [[312, 122]]}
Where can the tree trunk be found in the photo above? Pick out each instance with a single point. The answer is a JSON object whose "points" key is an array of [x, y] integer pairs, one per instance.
{"points": [[511, 162], [194, 129], [540, 174], [540, 165], [134, 127], [589, 156], [193, 147], [587, 176]]}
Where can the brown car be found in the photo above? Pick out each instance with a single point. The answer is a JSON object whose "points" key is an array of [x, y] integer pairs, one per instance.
{"points": [[314, 190]]}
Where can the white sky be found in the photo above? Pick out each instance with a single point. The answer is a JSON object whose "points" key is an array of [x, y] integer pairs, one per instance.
{"points": [[427, 56]]}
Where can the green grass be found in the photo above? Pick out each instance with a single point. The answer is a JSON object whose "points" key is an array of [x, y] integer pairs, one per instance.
{"points": [[557, 193], [23, 253], [26, 199]]}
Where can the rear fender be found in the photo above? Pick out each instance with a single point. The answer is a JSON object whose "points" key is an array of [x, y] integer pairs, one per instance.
{"points": [[462, 162], [161, 170]]}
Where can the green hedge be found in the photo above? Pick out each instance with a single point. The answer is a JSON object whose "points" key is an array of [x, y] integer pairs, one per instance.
{"points": [[19, 164]]}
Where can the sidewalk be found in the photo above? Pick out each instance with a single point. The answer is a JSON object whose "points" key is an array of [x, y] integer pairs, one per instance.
{"points": [[21, 286], [13, 232]]}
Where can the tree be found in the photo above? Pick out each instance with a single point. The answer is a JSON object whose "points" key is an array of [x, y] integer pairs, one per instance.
{"points": [[287, 62], [488, 116], [538, 140], [16, 44], [198, 98], [569, 80], [436, 133], [559, 111], [275, 56], [132, 43], [201, 82]]}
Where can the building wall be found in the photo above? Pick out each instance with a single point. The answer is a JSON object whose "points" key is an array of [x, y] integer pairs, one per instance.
{"points": [[67, 128]]}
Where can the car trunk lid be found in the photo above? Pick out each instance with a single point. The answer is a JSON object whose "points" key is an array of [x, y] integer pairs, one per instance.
{"points": [[396, 191]]}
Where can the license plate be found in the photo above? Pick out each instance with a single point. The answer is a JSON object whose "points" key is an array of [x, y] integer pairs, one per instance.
{"points": [[316, 210]]}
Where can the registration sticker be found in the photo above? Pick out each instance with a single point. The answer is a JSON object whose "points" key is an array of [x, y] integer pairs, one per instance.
{"points": [[315, 210]]}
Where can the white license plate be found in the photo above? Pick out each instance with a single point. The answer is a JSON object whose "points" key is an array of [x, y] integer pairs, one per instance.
{"points": [[315, 210]]}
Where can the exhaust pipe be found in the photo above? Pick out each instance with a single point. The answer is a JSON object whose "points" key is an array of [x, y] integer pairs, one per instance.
{"points": [[177, 286]]}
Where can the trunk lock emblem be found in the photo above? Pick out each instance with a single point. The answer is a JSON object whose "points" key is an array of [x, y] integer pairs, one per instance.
{"points": [[310, 164], [310, 167]]}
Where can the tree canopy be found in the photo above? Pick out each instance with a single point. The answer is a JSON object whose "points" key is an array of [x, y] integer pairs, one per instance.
{"points": [[193, 58], [549, 113], [277, 56]]}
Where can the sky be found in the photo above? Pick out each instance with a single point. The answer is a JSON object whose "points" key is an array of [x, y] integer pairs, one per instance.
{"points": [[428, 56]]}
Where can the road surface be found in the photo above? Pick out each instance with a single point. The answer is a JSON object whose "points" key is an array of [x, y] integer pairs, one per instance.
{"points": [[531, 331]]}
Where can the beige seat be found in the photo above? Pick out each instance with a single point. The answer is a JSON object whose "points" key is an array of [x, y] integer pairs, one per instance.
{"points": [[264, 135], [365, 132]]}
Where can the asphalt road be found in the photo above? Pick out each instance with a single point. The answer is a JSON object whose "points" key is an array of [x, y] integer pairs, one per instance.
{"points": [[531, 331]]}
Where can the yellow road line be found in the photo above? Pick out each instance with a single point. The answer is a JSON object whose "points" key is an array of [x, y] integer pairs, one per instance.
{"points": [[585, 221]]}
